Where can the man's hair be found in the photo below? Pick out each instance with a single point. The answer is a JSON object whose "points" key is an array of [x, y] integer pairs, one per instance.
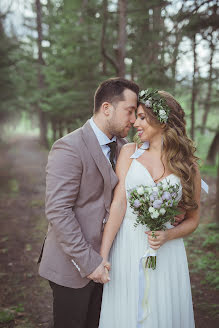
{"points": [[111, 91]]}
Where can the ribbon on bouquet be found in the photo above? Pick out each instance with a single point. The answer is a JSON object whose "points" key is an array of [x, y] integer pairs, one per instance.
{"points": [[143, 306]]}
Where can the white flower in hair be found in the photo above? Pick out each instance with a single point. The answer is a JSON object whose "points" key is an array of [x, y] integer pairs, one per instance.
{"points": [[142, 92], [148, 103], [152, 99], [163, 114]]}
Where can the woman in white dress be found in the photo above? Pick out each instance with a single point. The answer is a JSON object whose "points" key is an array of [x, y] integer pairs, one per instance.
{"points": [[169, 158]]}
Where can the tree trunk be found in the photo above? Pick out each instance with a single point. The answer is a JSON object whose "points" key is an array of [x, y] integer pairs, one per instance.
{"points": [[213, 150], [105, 56], [194, 88], [69, 128], [41, 85], [208, 97], [122, 10], [217, 198], [60, 129], [54, 130], [178, 38]]}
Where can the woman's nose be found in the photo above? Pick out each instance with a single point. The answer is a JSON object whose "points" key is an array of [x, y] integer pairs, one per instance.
{"points": [[133, 118]]}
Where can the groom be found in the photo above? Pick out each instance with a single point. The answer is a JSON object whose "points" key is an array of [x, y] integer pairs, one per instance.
{"points": [[79, 186]]}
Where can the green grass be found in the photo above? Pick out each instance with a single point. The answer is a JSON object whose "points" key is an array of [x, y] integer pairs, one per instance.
{"points": [[202, 249], [6, 315]]}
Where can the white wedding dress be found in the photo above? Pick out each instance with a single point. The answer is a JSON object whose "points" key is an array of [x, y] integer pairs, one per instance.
{"points": [[169, 296]]}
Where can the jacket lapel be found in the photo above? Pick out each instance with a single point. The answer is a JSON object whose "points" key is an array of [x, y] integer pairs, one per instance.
{"points": [[109, 176]]}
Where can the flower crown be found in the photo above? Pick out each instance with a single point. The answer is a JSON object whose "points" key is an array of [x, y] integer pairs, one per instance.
{"points": [[153, 100]]}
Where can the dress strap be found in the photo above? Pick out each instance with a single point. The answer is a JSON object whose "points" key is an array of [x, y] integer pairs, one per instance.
{"points": [[139, 151]]}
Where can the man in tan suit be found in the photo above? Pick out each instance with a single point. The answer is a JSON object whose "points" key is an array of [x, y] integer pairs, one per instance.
{"points": [[79, 187]]}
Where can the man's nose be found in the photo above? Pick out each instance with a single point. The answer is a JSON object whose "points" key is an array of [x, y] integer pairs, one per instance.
{"points": [[133, 118]]}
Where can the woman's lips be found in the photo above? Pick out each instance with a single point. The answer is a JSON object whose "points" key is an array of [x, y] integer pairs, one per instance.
{"points": [[140, 133]]}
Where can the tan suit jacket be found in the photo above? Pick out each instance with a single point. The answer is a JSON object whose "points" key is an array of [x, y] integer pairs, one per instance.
{"points": [[79, 187]]}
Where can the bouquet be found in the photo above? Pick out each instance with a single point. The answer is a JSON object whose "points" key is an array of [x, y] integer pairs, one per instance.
{"points": [[154, 206]]}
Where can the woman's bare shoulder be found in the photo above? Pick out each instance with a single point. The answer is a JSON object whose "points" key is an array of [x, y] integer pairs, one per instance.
{"points": [[128, 149]]}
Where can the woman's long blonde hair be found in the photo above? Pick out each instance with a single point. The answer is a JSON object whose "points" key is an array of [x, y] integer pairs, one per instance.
{"points": [[178, 149]]}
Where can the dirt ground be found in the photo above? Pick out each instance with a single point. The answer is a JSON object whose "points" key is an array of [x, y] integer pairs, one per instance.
{"points": [[25, 298]]}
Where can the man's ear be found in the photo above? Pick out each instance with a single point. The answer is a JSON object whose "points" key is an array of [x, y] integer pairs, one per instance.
{"points": [[106, 108]]}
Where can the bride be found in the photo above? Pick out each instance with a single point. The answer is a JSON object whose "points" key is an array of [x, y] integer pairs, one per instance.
{"points": [[169, 158]]}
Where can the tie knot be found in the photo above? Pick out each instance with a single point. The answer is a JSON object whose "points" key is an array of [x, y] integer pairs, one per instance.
{"points": [[112, 145]]}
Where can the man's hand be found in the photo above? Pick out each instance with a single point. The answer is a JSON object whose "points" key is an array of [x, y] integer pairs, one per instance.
{"points": [[180, 217], [101, 273]]}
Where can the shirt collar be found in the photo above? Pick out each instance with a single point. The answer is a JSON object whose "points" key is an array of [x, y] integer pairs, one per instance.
{"points": [[101, 137]]}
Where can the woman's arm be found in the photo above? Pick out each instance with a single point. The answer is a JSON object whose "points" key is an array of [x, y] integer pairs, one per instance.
{"points": [[183, 229], [118, 206]]}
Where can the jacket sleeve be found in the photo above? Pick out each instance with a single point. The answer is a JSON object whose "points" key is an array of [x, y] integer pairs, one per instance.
{"points": [[64, 170]]}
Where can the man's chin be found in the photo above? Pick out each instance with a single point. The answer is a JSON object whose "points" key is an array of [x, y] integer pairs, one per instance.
{"points": [[123, 135]]}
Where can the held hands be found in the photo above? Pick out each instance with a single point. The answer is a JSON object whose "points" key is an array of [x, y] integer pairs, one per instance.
{"points": [[101, 273], [161, 238]]}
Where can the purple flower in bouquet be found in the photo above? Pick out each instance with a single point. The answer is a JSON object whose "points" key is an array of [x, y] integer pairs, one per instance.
{"points": [[155, 194], [157, 203], [166, 195], [137, 203], [152, 199]]}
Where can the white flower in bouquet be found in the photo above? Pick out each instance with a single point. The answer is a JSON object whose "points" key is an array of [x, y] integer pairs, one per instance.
{"points": [[149, 190], [140, 191], [151, 209], [162, 211], [155, 214]]}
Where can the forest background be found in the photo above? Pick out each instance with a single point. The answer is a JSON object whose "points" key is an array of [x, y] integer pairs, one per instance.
{"points": [[53, 55]]}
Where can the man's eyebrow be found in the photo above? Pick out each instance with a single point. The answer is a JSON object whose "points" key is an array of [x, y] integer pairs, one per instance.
{"points": [[132, 107]]}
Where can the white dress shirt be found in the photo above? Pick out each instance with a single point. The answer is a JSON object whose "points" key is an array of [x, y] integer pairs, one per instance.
{"points": [[102, 139]]}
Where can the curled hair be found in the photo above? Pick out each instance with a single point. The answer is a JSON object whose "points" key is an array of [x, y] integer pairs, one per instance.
{"points": [[178, 149]]}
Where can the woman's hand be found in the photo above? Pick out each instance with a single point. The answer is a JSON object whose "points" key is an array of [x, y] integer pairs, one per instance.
{"points": [[161, 238]]}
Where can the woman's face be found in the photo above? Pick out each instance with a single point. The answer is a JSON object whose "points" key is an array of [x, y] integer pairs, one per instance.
{"points": [[146, 131]]}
